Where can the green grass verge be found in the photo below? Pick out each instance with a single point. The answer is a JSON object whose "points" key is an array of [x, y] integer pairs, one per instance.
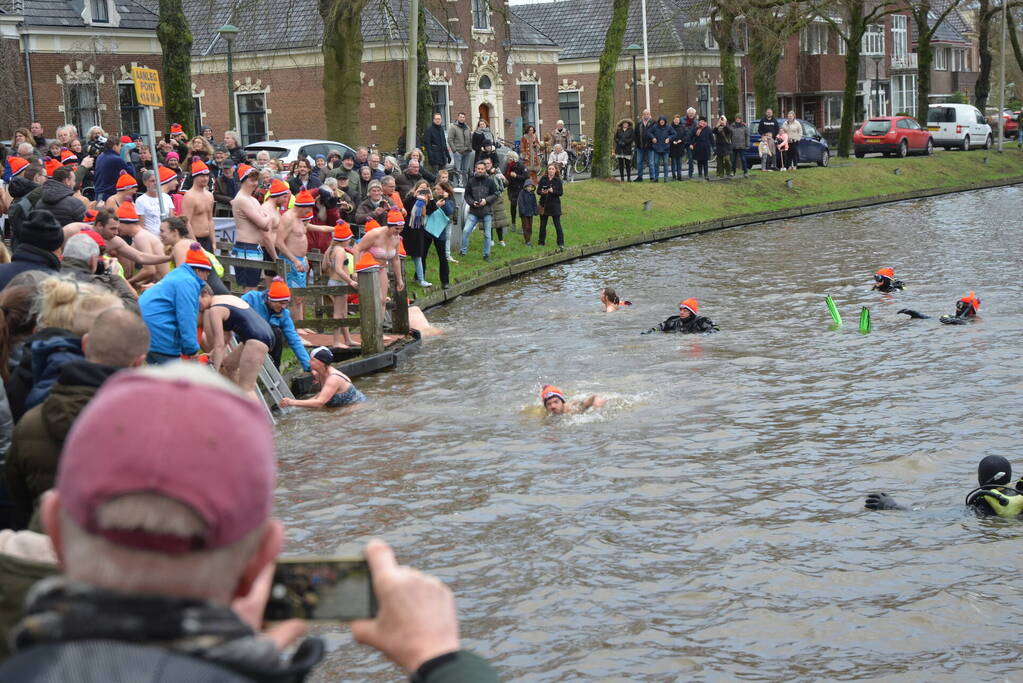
{"points": [[598, 211]]}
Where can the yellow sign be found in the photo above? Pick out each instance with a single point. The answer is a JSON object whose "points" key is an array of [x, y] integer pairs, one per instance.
{"points": [[147, 87]]}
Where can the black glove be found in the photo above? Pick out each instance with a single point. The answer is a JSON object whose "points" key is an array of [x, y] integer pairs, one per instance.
{"points": [[881, 501]]}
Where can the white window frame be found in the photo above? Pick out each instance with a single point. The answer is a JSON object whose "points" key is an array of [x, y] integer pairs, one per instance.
{"points": [[900, 36], [709, 41], [941, 59], [699, 104], [840, 46], [445, 108], [832, 111], [536, 106], [958, 60], [238, 114], [872, 44], [751, 107], [68, 115], [481, 11], [105, 4], [904, 93], [813, 39], [579, 107]]}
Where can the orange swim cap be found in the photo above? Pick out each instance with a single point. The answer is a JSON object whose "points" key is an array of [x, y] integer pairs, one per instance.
{"points": [[886, 272], [691, 304], [549, 391]]}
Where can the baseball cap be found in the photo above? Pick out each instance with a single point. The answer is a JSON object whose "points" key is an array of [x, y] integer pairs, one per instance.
{"points": [[210, 448]]}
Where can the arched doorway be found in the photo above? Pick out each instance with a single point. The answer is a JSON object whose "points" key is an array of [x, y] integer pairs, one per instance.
{"points": [[485, 113]]}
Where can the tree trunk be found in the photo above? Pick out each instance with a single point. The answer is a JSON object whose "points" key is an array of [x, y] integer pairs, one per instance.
{"points": [[176, 43], [852, 73], [342, 67], [724, 30], [983, 86], [764, 55], [924, 59], [602, 125], [424, 98], [1011, 29]]}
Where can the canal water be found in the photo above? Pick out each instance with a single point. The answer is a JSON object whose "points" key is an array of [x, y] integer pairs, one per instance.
{"points": [[708, 524]]}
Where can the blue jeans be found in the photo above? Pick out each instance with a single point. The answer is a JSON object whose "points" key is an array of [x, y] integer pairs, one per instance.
{"points": [[471, 221], [739, 158], [656, 160], [641, 157], [689, 158], [676, 168]]}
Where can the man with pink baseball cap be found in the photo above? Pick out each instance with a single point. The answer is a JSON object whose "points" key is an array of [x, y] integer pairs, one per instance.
{"points": [[163, 530]]}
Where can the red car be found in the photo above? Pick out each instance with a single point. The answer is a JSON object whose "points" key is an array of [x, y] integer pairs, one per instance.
{"points": [[899, 135]]}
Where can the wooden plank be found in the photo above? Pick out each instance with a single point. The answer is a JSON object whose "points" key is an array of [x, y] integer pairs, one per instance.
{"points": [[327, 324], [323, 290], [372, 324], [399, 315]]}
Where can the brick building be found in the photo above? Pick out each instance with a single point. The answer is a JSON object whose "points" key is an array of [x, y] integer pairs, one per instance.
{"points": [[483, 60], [69, 61]]}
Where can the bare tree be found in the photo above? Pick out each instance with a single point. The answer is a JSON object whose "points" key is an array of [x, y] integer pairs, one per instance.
{"points": [[609, 58], [922, 11], [723, 20], [176, 43], [342, 66], [770, 26]]}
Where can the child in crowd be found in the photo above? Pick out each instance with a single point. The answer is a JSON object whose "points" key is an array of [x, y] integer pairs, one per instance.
{"points": [[783, 150], [766, 149], [527, 209]]}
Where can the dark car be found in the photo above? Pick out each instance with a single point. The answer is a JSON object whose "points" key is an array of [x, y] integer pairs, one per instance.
{"points": [[899, 135], [812, 148]]}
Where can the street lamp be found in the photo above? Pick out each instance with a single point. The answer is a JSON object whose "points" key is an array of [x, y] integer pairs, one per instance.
{"points": [[228, 33], [877, 84], [634, 50]]}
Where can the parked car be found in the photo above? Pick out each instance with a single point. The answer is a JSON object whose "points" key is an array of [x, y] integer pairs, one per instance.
{"points": [[291, 150], [958, 125], [899, 135], [1011, 122], [812, 148]]}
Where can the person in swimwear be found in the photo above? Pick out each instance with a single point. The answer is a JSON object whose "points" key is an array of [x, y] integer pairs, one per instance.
{"points": [[227, 313], [993, 497], [687, 321], [336, 389], [338, 265], [966, 310], [610, 301], [555, 403], [383, 245], [884, 281]]}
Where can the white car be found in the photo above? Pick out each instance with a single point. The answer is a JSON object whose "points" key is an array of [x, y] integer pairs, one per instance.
{"points": [[291, 150], [958, 125]]}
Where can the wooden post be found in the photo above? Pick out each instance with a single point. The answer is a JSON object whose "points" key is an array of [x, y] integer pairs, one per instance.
{"points": [[399, 316], [370, 324]]}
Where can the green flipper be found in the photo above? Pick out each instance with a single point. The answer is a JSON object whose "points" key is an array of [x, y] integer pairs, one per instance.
{"points": [[833, 310], [864, 320]]}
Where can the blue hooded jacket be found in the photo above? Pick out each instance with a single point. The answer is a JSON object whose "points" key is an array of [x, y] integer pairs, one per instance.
{"points": [[660, 134], [170, 309], [282, 321], [48, 357]]}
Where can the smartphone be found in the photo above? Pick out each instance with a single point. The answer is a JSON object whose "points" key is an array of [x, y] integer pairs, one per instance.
{"points": [[321, 589]]}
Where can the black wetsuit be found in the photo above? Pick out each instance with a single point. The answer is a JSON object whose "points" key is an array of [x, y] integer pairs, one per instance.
{"points": [[247, 324], [887, 285], [694, 324]]}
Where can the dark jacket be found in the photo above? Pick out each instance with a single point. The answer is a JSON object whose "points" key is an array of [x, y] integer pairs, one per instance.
{"points": [[107, 168], [527, 204], [27, 257], [39, 435], [660, 137], [60, 200], [366, 208], [515, 184], [680, 143], [459, 137], [702, 144], [686, 129], [115, 283], [437, 146], [694, 324], [224, 190], [19, 187], [311, 184], [481, 188], [481, 140], [722, 140], [21, 205], [405, 181], [642, 139], [625, 140], [769, 126], [551, 201], [49, 356], [740, 136], [238, 155]]}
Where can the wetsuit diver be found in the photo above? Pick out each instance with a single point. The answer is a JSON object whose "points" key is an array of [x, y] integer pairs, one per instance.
{"points": [[687, 321], [884, 281], [966, 308], [555, 403], [994, 496]]}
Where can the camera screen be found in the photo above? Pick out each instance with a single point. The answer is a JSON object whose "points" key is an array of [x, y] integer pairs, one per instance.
{"points": [[321, 589]]}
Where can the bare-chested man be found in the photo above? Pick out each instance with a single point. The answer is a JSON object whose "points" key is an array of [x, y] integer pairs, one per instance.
{"points": [[144, 242], [292, 243], [109, 227], [126, 187], [197, 206], [252, 226]]}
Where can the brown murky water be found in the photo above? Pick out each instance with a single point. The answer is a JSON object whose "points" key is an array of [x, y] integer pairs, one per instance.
{"points": [[709, 523]]}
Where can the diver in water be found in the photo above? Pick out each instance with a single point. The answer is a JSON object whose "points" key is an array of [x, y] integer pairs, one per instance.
{"points": [[993, 497], [884, 281], [687, 321], [966, 309], [610, 301], [555, 403]]}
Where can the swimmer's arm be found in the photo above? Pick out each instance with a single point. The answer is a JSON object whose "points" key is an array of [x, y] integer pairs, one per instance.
{"points": [[214, 327], [593, 401], [145, 275], [319, 400], [132, 254], [882, 501]]}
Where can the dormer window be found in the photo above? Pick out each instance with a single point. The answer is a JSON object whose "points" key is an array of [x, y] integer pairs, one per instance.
{"points": [[480, 15], [100, 10]]}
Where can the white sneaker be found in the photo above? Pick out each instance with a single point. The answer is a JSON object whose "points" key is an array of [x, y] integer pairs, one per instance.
{"points": [[451, 260], [502, 243], [424, 283]]}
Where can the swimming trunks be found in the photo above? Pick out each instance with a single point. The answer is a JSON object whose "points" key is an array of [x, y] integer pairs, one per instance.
{"points": [[247, 324], [295, 277], [247, 277]]}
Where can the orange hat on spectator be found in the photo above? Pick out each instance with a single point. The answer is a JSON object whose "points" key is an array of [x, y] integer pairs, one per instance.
{"points": [[244, 170], [370, 224], [342, 231], [199, 167], [17, 165], [68, 157], [51, 166], [366, 263], [176, 128], [167, 175], [126, 213], [90, 216], [305, 198], [692, 304], [197, 258], [125, 139], [126, 181], [549, 391], [279, 188], [278, 291], [394, 217]]}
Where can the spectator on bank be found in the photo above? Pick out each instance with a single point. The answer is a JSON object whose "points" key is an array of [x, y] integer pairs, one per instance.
{"points": [[65, 134], [644, 144], [108, 169], [769, 124], [559, 157], [529, 148], [346, 168], [26, 180], [515, 174], [794, 130], [661, 135], [550, 190], [390, 192], [767, 151], [561, 136], [414, 234], [39, 244], [443, 202], [413, 173], [233, 145], [225, 188], [332, 204], [81, 261], [302, 177], [374, 206], [360, 190], [677, 149], [319, 170], [702, 146], [625, 142], [480, 195], [527, 209], [723, 147], [170, 309], [460, 141], [483, 143], [437, 144], [781, 150], [740, 143]]}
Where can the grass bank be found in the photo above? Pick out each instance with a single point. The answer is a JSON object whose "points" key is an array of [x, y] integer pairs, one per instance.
{"points": [[603, 215]]}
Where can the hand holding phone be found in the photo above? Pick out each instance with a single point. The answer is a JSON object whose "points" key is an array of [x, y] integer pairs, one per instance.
{"points": [[321, 589]]}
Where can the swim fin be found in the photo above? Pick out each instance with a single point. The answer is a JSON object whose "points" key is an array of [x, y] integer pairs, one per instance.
{"points": [[913, 314], [833, 310], [864, 320]]}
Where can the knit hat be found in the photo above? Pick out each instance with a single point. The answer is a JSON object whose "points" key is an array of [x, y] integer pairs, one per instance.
{"points": [[68, 157], [549, 391], [691, 304], [279, 290], [342, 231], [176, 128], [322, 354], [90, 216], [196, 257], [279, 188], [244, 170], [173, 155], [167, 175], [42, 230], [370, 224], [126, 181], [394, 217], [305, 198], [126, 213], [221, 465], [17, 165], [366, 263], [51, 165], [199, 168]]}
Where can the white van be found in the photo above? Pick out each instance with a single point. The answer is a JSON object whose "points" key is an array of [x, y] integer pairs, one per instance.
{"points": [[958, 125]]}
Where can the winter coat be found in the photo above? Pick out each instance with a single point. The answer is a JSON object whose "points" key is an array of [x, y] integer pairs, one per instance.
{"points": [[660, 137], [561, 137], [310, 184], [224, 190], [679, 143], [527, 204], [686, 129], [515, 184], [108, 167], [740, 136], [28, 257], [722, 140], [481, 188], [768, 126], [481, 140], [702, 144], [625, 140], [529, 149], [437, 146], [38, 438], [551, 202], [170, 309], [60, 200], [794, 130], [459, 137], [22, 376], [238, 155], [642, 139], [48, 357], [80, 271], [21, 205]]}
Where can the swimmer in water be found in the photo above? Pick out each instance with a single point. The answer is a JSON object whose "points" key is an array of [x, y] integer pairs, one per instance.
{"points": [[966, 310], [336, 388], [555, 403], [994, 497], [610, 301], [884, 281], [687, 321]]}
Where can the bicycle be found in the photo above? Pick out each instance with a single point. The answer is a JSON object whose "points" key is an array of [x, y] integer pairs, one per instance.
{"points": [[584, 160]]}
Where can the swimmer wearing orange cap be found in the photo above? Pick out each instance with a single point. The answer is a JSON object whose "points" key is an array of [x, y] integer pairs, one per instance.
{"points": [[884, 281], [966, 309], [555, 403], [687, 321]]}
